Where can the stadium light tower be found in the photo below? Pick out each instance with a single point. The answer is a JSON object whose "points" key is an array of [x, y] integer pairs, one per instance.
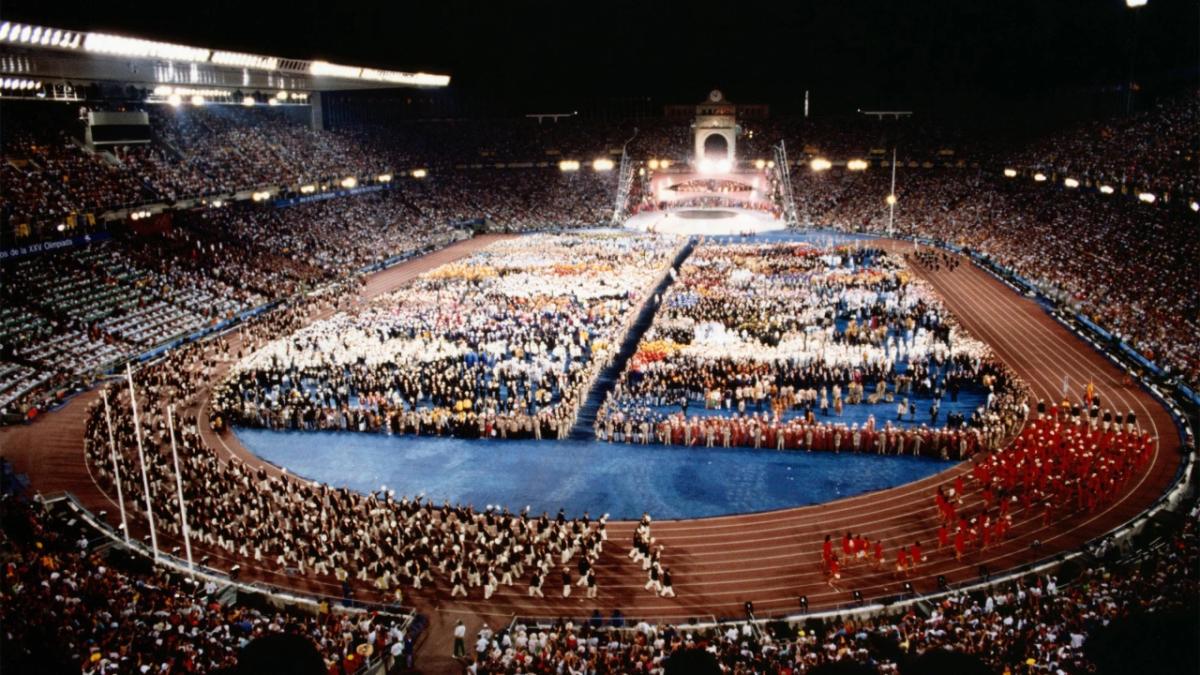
{"points": [[625, 179], [891, 198], [1133, 44], [896, 116]]}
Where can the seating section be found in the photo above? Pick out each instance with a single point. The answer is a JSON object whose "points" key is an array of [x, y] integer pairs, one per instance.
{"points": [[1126, 264], [16, 379], [70, 315]]}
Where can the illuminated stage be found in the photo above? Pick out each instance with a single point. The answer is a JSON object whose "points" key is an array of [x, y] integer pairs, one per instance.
{"points": [[713, 198], [706, 221]]}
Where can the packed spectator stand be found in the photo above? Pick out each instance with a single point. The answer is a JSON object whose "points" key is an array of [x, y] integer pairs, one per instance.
{"points": [[69, 316], [949, 189], [87, 607]]}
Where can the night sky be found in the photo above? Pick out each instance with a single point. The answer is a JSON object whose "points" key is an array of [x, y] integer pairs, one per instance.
{"points": [[865, 52]]}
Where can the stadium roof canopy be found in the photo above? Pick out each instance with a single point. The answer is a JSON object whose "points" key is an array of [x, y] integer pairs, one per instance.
{"points": [[45, 59]]}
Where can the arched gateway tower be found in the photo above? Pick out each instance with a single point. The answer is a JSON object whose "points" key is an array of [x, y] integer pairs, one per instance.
{"points": [[715, 192], [715, 130]]}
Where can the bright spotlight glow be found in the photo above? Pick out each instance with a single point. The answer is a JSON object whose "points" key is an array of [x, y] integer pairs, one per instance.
{"points": [[891, 200], [760, 164], [1195, 206], [1106, 189], [770, 164], [1147, 197], [260, 196], [419, 173], [820, 164], [653, 164], [197, 100], [1010, 173], [273, 101], [326, 69], [710, 166], [1071, 183], [415, 79], [349, 182], [664, 164], [61, 227], [857, 165], [248, 101], [245, 60], [384, 178], [1134, 4], [282, 96], [568, 165], [124, 46], [307, 189], [175, 100], [602, 164], [1039, 177]]}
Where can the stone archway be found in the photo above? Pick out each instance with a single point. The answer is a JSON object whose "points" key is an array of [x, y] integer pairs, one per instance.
{"points": [[716, 147]]}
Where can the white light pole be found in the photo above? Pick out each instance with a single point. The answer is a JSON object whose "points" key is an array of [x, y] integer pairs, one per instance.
{"points": [[112, 447], [183, 519], [891, 198], [1134, 5], [137, 430]]}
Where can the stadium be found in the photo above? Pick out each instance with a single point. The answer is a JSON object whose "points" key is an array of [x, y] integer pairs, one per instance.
{"points": [[465, 339]]}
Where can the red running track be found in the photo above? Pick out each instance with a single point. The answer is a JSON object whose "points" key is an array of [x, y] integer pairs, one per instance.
{"points": [[769, 558]]}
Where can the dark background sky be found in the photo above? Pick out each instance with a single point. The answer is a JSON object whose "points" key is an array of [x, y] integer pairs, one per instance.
{"points": [[957, 55]]}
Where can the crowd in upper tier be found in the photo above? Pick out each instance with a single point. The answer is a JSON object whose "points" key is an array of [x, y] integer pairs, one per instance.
{"points": [[1126, 264], [52, 176], [1155, 149], [502, 344], [768, 342], [69, 315]]}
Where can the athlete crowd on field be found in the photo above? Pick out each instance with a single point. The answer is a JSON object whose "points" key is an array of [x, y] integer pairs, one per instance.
{"points": [[768, 346]]}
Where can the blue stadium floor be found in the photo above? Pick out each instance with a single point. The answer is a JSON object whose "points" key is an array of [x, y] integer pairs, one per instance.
{"points": [[622, 480]]}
